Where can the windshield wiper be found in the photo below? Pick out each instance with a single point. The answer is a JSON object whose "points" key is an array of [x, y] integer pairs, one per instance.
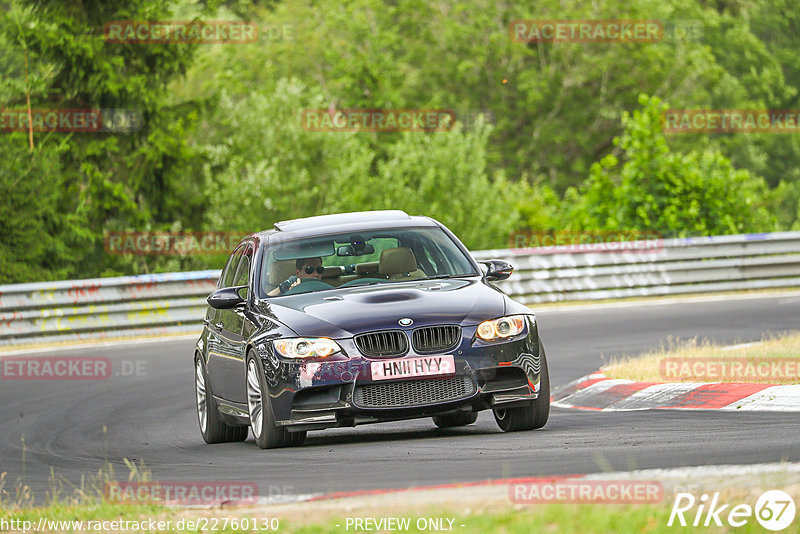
{"points": [[443, 276]]}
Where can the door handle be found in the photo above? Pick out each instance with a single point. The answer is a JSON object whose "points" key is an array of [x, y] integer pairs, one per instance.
{"points": [[205, 322], [218, 325]]}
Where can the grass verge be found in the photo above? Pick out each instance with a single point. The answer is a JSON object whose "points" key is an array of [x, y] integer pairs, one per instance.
{"points": [[506, 519], [774, 360], [483, 508]]}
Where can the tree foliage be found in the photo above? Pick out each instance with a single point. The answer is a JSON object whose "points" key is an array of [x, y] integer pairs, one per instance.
{"points": [[653, 188], [264, 167], [221, 147]]}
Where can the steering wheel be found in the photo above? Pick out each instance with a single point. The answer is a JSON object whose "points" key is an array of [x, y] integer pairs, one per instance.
{"points": [[308, 285]]}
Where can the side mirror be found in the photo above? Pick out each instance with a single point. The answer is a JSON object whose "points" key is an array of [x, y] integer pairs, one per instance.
{"points": [[226, 298], [497, 269]]}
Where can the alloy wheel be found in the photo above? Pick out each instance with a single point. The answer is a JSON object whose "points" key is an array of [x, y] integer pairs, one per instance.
{"points": [[254, 404], [200, 389]]}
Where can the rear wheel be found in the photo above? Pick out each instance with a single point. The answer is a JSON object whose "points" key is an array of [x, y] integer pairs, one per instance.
{"points": [[535, 414], [212, 427], [461, 419]]}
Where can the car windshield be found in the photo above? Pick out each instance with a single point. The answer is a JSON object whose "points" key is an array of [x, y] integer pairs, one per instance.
{"points": [[361, 258]]}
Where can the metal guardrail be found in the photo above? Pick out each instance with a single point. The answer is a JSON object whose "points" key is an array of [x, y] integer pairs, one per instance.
{"points": [[648, 268], [175, 302], [104, 307]]}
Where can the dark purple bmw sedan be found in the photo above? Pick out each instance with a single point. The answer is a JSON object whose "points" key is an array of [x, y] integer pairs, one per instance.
{"points": [[354, 318]]}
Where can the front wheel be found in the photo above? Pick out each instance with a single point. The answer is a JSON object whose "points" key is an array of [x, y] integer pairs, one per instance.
{"points": [[536, 413], [262, 422]]}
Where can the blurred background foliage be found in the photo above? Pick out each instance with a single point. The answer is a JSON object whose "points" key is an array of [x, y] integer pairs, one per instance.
{"points": [[558, 136]]}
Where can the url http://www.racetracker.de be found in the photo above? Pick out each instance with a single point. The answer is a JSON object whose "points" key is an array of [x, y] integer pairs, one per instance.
{"points": [[203, 524]]}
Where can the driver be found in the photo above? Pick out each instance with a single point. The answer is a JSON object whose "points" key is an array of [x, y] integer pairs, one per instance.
{"points": [[305, 268]]}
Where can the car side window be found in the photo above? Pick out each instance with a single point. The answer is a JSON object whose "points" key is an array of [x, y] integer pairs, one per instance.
{"points": [[226, 278], [424, 257], [242, 277], [438, 258]]}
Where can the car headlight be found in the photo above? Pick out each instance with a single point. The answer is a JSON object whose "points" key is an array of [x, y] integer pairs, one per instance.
{"points": [[306, 347], [501, 328]]}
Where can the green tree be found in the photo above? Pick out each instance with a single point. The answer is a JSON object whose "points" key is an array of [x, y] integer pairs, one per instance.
{"points": [[444, 175], [264, 167], [653, 188], [39, 241], [131, 180], [556, 105]]}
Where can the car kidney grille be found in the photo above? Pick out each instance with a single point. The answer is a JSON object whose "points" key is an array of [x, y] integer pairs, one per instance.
{"points": [[385, 343], [412, 393], [435, 338]]}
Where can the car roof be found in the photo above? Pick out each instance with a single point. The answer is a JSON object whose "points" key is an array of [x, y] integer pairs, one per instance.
{"points": [[345, 222]]}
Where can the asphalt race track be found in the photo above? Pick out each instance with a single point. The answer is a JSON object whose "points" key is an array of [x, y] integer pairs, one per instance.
{"points": [[151, 418]]}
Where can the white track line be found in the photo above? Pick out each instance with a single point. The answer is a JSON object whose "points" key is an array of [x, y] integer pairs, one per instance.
{"points": [[102, 344]]}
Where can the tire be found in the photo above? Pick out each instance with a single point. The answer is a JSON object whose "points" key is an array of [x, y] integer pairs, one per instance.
{"points": [[461, 419], [536, 413], [262, 421], [212, 427]]}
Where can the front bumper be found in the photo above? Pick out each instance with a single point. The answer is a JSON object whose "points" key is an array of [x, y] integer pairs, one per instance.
{"points": [[339, 391]]}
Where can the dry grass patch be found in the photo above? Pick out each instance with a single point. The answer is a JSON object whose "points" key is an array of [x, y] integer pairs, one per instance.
{"points": [[774, 360]]}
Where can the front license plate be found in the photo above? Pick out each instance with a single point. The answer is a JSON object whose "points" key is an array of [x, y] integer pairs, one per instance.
{"points": [[411, 367]]}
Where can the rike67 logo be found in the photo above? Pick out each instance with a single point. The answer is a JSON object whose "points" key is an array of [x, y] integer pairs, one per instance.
{"points": [[774, 510]]}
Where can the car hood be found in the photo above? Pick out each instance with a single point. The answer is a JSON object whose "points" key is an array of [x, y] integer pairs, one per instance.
{"points": [[342, 313]]}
